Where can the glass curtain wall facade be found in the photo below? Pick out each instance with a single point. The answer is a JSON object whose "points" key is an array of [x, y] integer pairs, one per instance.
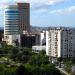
{"points": [[11, 21]]}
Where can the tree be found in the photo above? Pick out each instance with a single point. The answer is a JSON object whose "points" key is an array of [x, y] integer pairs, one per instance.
{"points": [[21, 70], [59, 60], [68, 66], [48, 69], [43, 52], [1, 35], [13, 54], [39, 59], [2, 69], [24, 55]]}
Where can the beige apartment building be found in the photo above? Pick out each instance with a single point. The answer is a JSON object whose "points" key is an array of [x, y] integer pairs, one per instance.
{"points": [[60, 42]]}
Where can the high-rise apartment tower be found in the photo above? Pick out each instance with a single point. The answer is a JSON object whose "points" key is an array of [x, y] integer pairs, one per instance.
{"points": [[60, 42]]}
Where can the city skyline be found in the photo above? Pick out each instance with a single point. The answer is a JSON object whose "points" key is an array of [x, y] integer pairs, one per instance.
{"points": [[46, 12]]}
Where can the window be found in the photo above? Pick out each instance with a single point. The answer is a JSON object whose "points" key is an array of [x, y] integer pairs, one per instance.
{"points": [[6, 37]]}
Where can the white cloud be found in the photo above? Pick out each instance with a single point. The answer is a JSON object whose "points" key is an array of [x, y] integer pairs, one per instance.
{"points": [[41, 11], [39, 3], [33, 3], [4, 3], [45, 1], [40, 6], [55, 1], [64, 11]]}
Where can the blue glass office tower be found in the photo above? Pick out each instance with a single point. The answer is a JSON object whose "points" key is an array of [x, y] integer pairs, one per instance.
{"points": [[11, 28], [16, 21], [11, 20], [17, 18]]}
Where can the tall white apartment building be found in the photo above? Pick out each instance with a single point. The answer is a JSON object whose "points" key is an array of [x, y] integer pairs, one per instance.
{"points": [[60, 42]]}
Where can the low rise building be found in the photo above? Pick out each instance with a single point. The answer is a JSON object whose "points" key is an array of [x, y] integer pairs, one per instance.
{"points": [[12, 40], [37, 49], [28, 40]]}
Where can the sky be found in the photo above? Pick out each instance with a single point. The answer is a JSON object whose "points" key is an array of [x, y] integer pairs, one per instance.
{"points": [[45, 13]]}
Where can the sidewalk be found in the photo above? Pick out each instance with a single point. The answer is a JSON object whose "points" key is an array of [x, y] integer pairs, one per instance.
{"points": [[62, 70]]}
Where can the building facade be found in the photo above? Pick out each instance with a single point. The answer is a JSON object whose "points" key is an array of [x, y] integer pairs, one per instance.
{"points": [[60, 42], [16, 20], [43, 38], [24, 16], [11, 28], [28, 40], [11, 20], [38, 49]]}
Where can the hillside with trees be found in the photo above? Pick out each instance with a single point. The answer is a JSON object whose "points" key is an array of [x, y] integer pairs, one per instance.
{"points": [[22, 61]]}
